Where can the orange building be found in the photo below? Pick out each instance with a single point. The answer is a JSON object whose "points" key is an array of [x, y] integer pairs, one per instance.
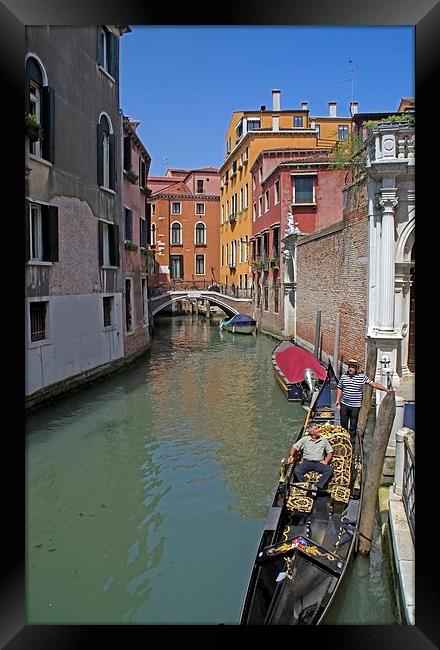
{"points": [[249, 133], [184, 208]]}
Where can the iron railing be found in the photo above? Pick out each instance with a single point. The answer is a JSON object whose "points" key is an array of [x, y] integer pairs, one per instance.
{"points": [[409, 487], [199, 285]]}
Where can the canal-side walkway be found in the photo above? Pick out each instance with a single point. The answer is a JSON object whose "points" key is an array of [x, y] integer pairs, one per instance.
{"points": [[392, 507]]}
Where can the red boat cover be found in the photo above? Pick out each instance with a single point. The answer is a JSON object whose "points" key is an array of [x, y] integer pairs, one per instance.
{"points": [[294, 360]]}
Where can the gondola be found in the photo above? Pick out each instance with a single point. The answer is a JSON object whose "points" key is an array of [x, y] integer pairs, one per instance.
{"points": [[308, 539], [297, 371]]}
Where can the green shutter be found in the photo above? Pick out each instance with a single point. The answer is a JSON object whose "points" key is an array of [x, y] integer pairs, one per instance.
{"points": [[99, 155], [27, 103], [53, 233], [27, 234], [114, 244], [100, 53], [45, 232], [100, 243], [111, 140], [112, 42], [48, 123]]}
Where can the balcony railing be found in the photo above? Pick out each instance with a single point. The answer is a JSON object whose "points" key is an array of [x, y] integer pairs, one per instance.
{"points": [[409, 487]]}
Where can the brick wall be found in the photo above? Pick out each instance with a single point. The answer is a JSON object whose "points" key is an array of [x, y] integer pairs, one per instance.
{"points": [[332, 277]]}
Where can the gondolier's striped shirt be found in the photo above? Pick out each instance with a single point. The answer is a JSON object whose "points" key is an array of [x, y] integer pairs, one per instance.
{"points": [[352, 388]]}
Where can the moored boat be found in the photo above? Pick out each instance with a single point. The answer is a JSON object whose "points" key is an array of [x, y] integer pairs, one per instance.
{"points": [[239, 324], [309, 537], [297, 371]]}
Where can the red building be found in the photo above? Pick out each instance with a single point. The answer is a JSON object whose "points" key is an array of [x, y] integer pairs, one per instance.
{"points": [[184, 208], [306, 184]]}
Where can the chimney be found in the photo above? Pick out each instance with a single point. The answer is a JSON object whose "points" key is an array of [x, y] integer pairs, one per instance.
{"points": [[304, 106], [262, 107], [332, 109], [276, 100], [275, 122], [354, 108]]}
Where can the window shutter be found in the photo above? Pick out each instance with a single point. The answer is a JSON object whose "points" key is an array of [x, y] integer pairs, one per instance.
{"points": [[115, 245], [27, 234], [100, 242], [45, 232], [53, 233], [100, 53], [99, 155], [27, 103], [142, 174], [127, 153], [48, 123], [111, 140], [113, 55]]}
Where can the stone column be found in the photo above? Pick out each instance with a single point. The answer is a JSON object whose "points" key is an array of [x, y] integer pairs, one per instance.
{"points": [[388, 202]]}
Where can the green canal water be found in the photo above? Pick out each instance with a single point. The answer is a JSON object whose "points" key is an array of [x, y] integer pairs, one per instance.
{"points": [[146, 493]]}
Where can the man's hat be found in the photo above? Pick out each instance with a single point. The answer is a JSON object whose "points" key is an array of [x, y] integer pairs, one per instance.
{"points": [[353, 362]]}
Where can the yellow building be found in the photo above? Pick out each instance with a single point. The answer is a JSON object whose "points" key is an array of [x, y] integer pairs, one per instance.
{"points": [[249, 133]]}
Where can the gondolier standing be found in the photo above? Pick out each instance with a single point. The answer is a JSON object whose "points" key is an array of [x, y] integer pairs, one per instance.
{"points": [[350, 387]]}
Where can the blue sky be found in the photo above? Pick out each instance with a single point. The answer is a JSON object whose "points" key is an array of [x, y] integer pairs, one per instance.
{"points": [[183, 83]]}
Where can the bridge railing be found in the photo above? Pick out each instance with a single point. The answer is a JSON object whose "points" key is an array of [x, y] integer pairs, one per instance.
{"points": [[199, 285]]}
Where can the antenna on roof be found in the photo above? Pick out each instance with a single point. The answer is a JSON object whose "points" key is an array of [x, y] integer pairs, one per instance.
{"points": [[351, 80]]}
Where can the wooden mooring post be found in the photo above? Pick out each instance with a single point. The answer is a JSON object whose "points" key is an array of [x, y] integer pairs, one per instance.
{"points": [[370, 371], [381, 434]]}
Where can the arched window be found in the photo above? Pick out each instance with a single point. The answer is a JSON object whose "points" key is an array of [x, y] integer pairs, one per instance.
{"points": [[40, 111], [106, 153], [153, 234], [176, 233], [200, 233]]}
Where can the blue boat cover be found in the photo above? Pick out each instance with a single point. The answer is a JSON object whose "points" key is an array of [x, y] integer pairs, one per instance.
{"points": [[241, 319]]}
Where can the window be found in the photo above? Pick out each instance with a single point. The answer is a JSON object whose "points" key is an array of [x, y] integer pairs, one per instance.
{"points": [[253, 124], [108, 51], [266, 200], [260, 174], [245, 253], [176, 233], [223, 214], [38, 313], [106, 154], [144, 300], [266, 298], [223, 255], [176, 208], [128, 316], [254, 211], [298, 121], [277, 191], [200, 265], [276, 299], [246, 195], [260, 206], [108, 242], [143, 232], [153, 234], [239, 130], [176, 267], [107, 310], [42, 233], [318, 128], [200, 208], [276, 242], [234, 168], [128, 214], [254, 183], [200, 233], [266, 244], [343, 132], [240, 204], [153, 209], [142, 172], [40, 102], [200, 189], [303, 189], [127, 153], [233, 205]]}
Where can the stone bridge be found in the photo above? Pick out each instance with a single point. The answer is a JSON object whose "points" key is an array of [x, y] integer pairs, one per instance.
{"points": [[229, 304]]}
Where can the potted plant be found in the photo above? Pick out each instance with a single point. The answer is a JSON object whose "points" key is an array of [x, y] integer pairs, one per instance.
{"points": [[131, 176], [32, 127]]}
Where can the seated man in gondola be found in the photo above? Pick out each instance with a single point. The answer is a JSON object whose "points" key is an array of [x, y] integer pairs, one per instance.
{"points": [[317, 454]]}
